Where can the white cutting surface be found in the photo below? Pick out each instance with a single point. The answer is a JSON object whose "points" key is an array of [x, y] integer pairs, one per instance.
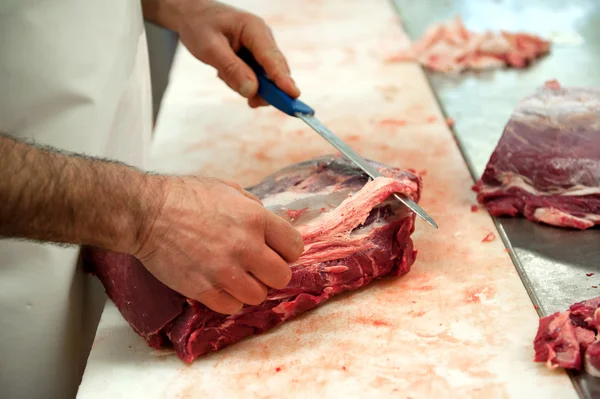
{"points": [[460, 325]]}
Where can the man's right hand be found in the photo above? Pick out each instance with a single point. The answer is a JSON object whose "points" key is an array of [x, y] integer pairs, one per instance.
{"points": [[214, 242]]}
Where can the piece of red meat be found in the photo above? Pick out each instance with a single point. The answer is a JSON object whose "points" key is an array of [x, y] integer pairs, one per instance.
{"points": [[568, 339], [450, 47], [546, 165], [353, 231]]}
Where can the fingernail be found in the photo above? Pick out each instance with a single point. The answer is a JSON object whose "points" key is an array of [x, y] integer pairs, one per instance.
{"points": [[247, 88], [294, 84]]}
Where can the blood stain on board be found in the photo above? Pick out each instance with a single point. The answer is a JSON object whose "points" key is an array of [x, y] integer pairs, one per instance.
{"points": [[417, 314], [422, 172], [430, 119], [440, 151], [392, 122], [589, 274], [277, 369], [474, 208], [449, 122], [475, 294], [372, 321], [424, 288], [353, 137], [489, 237], [261, 156], [441, 336]]}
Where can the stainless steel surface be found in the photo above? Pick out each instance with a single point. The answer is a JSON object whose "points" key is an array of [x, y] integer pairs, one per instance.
{"points": [[552, 262], [360, 161]]}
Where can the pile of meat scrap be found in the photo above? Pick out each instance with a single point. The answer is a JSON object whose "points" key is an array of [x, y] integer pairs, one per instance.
{"points": [[569, 339], [449, 47], [354, 232]]}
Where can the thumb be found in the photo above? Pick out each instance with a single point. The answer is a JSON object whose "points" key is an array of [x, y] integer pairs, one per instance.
{"points": [[231, 69], [239, 188]]}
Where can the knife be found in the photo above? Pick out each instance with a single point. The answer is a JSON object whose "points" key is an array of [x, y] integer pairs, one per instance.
{"points": [[276, 97]]}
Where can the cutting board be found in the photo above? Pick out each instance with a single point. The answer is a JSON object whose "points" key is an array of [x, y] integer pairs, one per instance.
{"points": [[459, 325]]}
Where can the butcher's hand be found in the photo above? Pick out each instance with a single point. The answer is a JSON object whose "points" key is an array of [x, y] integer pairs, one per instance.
{"points": [[205, 238], [214, 32], [214, 242]]}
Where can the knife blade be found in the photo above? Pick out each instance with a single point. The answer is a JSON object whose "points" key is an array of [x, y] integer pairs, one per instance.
{"points": [[276, 97]]}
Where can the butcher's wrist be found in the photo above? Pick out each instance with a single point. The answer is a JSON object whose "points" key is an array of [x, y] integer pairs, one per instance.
{"points": [[149, 202], [167, 12]]}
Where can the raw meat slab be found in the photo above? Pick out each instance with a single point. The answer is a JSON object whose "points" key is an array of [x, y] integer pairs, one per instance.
{"points": [[353, 233], [547, 163], [459, 325], [569, 339]]}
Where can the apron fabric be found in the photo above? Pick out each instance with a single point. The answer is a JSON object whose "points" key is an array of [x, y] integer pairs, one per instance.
{"points": [[74, 75]]}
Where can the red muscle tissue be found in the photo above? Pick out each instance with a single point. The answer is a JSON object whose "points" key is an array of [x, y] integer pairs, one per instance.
{"points": [[366, 235], [569, 339], [546, 165]]}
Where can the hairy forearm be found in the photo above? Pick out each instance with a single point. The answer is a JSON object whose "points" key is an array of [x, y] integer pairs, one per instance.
{"points": [[57, 197]]}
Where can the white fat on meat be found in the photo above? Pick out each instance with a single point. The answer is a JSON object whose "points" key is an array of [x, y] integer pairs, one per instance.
{"points": [[513, 180], [556, 217], [287, 197], [355, 209]]}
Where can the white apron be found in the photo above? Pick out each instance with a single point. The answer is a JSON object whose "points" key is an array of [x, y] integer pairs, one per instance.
{"points": [[74, 75]]}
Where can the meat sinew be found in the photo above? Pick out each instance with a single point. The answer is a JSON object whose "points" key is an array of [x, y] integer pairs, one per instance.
{"points": [[450, 47], [547, 163], [353, 231], [569, 339]]}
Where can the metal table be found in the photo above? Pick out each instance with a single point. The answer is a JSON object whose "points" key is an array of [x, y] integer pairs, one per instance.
{"points": [[552, 262]]}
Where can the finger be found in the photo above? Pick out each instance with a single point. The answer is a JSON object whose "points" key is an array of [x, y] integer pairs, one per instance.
{"points": [[231, 69], [256, 102], [283, 238], [250, 196], [257, 37], [269, 268], [243, 287], [239, 188], [219, 301]]}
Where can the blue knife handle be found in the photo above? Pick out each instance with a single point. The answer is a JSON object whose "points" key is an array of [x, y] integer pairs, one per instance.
{"points": [[269, 91]]}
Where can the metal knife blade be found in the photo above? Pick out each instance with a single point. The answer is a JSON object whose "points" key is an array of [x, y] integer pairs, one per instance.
{"points": [[334, 140]]}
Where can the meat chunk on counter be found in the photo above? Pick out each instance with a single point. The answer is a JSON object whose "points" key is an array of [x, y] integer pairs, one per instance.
{"points": [[546, 165], [353, 232], [451, 47], [569, 339]]}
